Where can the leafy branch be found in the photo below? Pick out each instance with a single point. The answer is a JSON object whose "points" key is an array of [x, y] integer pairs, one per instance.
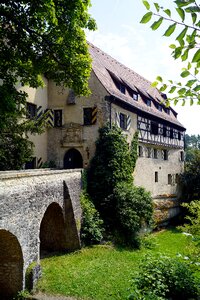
{"points": [[186, 48]]}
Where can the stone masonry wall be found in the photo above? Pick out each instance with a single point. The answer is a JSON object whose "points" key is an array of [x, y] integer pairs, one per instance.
{"points": [[24, 199]]}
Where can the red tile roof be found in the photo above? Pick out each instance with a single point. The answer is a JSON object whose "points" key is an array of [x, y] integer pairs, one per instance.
{"points": [[106, 67]]}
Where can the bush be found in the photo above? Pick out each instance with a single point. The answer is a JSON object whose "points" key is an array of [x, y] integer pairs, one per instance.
{"points": [[193, 217], [166, 278], [134, 211], [92, 225]]}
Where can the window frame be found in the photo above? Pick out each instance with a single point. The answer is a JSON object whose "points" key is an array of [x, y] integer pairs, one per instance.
{"points": [[123, 121], [87, 119], [56, 119], [31, 110]]}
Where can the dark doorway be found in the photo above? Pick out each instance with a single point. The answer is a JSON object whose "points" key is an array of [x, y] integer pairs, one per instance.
{"points": [[73, 159], [11, 265]]}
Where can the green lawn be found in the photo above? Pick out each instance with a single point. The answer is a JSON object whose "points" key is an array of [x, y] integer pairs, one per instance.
{"points": [[104, 272]]}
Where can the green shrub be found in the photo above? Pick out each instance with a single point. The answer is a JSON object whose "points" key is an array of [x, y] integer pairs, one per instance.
{"points": [[92, 225], [166, 278], [134, 211], [193, 217]]}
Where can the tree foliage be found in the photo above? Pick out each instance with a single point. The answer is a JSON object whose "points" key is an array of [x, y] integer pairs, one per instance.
{"points": [[124, 208], [134, 211], [110, 165], [92, 224], [191, 176], [44, 37], [183, 21]]}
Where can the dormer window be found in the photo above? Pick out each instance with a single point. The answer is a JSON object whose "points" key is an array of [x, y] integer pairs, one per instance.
{"points": [[148, 102], [135, 96], [121, 87], [167, 110], [159, 107]]}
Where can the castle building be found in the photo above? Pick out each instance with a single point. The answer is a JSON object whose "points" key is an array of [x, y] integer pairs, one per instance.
{"points": [[120, 96]]}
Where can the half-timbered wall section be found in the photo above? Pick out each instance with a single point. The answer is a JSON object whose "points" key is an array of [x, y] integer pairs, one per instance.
{"points": [[154, 132]]}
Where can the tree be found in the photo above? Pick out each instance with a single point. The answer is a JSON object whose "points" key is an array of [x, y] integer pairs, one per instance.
{"points": [[191, 176], [186, 24], [110, 165], [41, 37], [124, 208]]}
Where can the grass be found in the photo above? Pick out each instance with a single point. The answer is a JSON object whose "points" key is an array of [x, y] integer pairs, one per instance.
{"points": [[104, 272]]}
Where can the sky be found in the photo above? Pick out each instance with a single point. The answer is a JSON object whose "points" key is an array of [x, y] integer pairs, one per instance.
{"points": [[147, 52]]}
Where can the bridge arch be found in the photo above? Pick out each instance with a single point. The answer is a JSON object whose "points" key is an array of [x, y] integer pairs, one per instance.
{"points": [[73, 159], [11, 265], [52, 230]]}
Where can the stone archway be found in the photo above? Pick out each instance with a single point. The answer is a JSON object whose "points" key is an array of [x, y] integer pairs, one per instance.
{"points": [[11, 265], [52, 230], [73, 159]]}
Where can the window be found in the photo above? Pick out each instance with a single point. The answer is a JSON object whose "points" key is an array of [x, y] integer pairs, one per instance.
{"points": [[149, 152], [87, 116], [31, 110], [135, 96], [58, 118], [156, 176], [140, 151], [123, 121], [171, 133], [120, 86], [179, 135], [169, 178], [148, 102], [165, 154], [164, 131], [159, 107], [155, 153], [154, 128], [167, 110], [182, 155]]}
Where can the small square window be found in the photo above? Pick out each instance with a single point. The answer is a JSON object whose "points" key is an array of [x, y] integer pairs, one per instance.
{"points": [[148, 102], [58, 118], [31, 110], [182, 155], [169, 178], [135, 96], [140, 151], [156, 176]]}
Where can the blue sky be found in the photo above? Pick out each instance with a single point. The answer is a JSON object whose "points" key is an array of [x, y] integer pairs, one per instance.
{"points": [[121, 35]]}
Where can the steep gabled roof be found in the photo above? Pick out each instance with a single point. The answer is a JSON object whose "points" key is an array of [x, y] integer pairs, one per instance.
{"points": [[108, 69]]}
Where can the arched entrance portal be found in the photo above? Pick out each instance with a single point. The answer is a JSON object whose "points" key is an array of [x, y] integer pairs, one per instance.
{"points": [[73, 159], [11, 265], [52, 230]]}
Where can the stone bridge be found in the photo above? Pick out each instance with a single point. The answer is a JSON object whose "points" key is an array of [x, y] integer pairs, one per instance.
{"points": [[39, 213]]}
